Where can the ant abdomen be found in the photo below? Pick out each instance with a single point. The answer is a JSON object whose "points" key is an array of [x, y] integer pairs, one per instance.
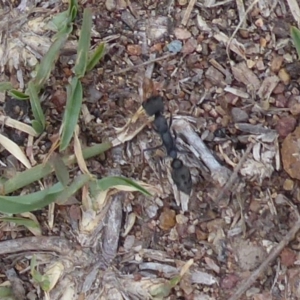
{"points": [[181, 176]]}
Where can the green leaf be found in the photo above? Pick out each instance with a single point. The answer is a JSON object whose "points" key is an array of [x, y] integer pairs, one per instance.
{"points": [[113, 181], [60, 170], [6, 291], [31, 175], [35, 273], [77, 184], [30, 224], [65, 31], [73, 13], [83, 44], [48, 62], [72, 111], [59, 21], [72, 10], [36, 105], [96, 56], [175, 280], [160, 291], [45, 283], [295, 33], [18, 95], [5, 86], [30, 202], [37, 126], [42, 280]]}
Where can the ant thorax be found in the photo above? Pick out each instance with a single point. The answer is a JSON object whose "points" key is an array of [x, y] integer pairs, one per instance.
{"points": [[161, 124]]}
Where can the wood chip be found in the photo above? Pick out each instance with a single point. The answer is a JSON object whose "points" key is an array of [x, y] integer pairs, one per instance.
{"points": [[295, 10], [188, 12], [243, 74], [267, 87]]}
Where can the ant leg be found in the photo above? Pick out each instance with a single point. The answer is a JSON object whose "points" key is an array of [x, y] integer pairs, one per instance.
{"points": [[171, 120], [175, 135]]}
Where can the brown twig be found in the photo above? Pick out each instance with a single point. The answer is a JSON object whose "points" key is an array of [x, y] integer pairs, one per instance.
{"points": [[239, 26], [246, 284], [42, 243], [188, 12], [144, 64], [233, 176]]}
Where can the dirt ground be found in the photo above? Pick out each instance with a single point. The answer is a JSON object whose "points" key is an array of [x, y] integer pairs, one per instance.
{"points": [[228, 73]]}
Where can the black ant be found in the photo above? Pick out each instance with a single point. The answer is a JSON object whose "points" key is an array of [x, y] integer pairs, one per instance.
{"points": [[181, 175], [155, 106]]}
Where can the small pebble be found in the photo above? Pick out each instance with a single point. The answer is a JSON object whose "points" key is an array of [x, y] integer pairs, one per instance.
{"points": [[175, 46], [288, 185], [239, 115]]}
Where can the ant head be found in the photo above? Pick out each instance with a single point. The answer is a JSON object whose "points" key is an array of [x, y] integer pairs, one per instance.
{"points": [[176, 163], [154, 105]]}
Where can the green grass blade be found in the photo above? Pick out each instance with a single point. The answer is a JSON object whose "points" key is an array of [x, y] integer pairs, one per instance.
{"points": [[160, 291], [83, 44], [30, 202], [40, 171], [72, 10], [58, 22], [42, 280], [60, 170], [36, 105], [77, 184], [65, 31], [96, 57], [72, 111], [31, 225], [37, 126], [6, 293], [25, 178], [18, 95], [295, 33], [48, 62], [5, 86], [113, 181]]}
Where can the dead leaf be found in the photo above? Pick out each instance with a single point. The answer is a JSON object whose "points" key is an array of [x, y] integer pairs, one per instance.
{"points": [[243, 74], [264, 296], [288, 257], [167, 219], [249, 255], [15, 150], [212, 265], [276, 63], [229, 281], [189, 46], [182, 33], [134, 50], [284, 76], [54, 272], [78, 153], [285, 126], [290, 152]]}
